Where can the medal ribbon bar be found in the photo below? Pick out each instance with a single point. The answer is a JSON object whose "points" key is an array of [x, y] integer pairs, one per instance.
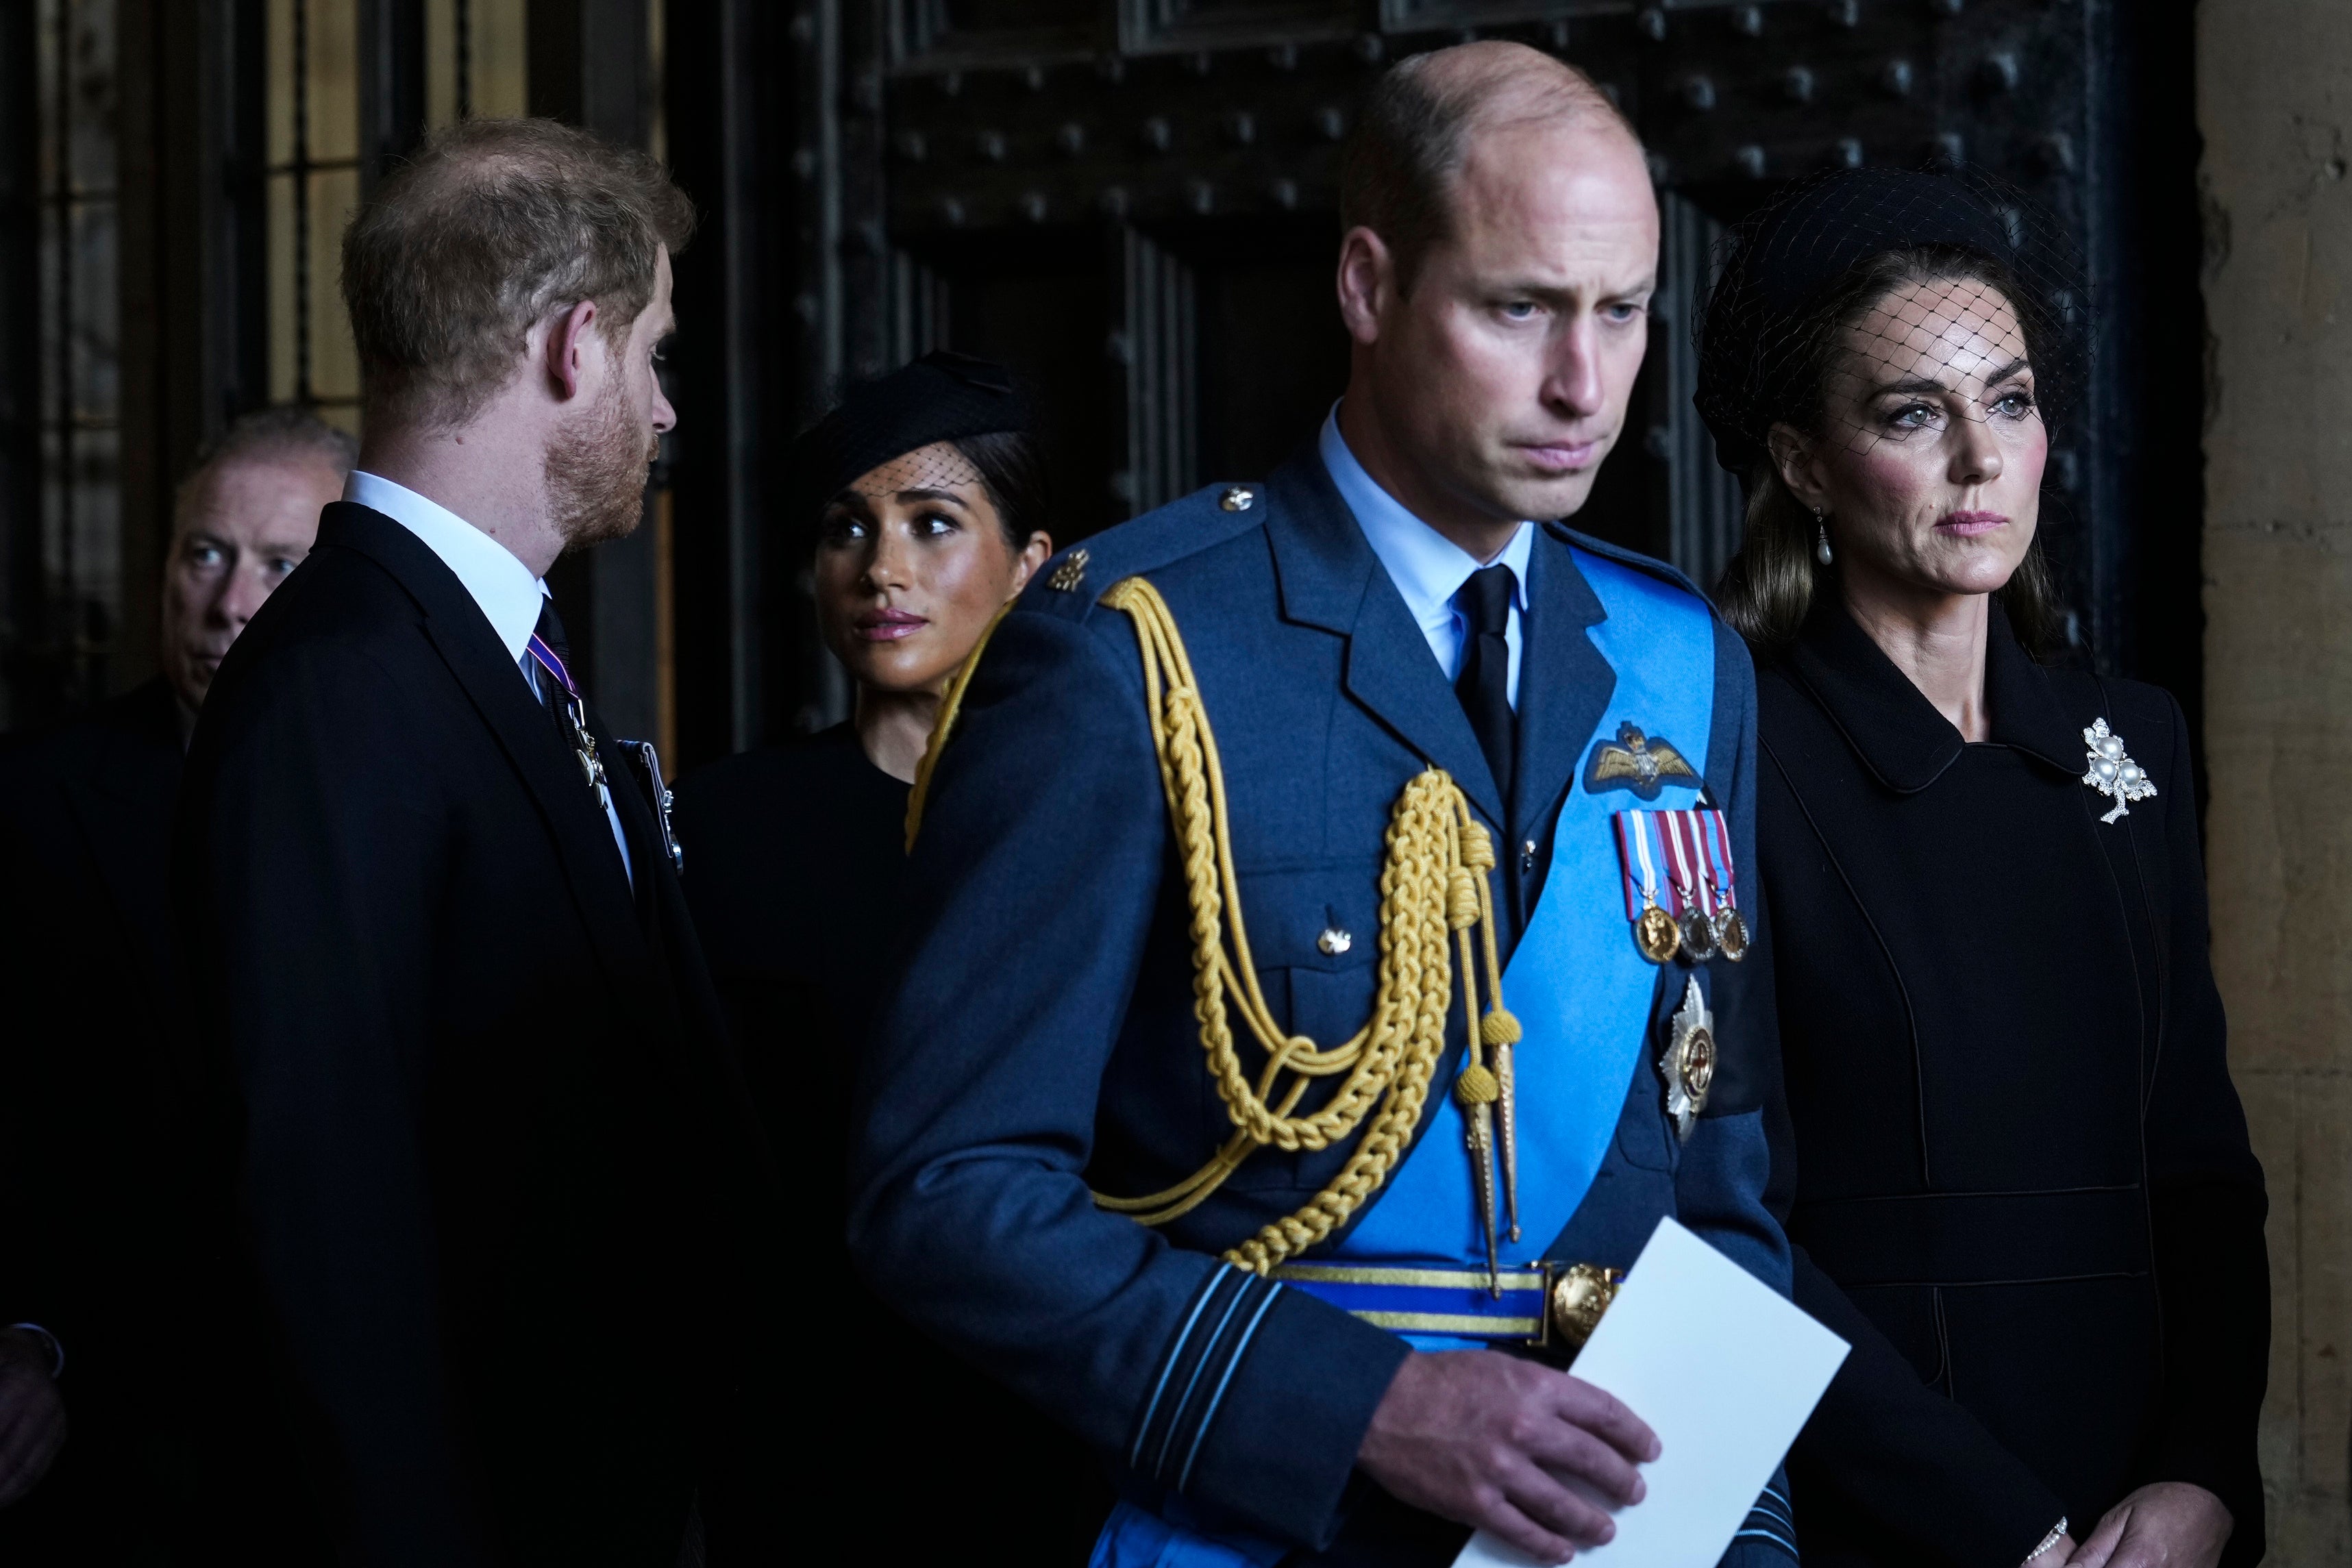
{"points": [[1680, 860], [1680, 891]]}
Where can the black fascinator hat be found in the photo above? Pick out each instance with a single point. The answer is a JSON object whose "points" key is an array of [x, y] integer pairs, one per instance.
{"points": [[1782, 275], [942, 397]]}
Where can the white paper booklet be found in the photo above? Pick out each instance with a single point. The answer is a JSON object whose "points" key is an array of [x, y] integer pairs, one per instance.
{"points": [[1724, 1371]]}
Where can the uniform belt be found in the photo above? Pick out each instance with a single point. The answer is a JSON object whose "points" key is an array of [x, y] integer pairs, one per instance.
{"points": [[1538, 1304], [1977, 1238]]}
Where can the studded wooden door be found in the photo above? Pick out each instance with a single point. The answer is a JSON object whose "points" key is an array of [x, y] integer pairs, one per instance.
{"points": [[1133, 200]]}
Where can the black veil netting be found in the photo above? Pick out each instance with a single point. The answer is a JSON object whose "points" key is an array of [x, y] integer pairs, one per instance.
{"points": [[1761, 332], [902, 428]]}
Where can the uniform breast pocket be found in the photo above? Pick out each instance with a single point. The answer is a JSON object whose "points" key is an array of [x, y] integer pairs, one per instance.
{"points": [[1314, 935], [1644, 1135]]}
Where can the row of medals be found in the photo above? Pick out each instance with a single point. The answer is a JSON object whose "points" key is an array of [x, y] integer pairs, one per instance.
{"points": [[1697, 937]]}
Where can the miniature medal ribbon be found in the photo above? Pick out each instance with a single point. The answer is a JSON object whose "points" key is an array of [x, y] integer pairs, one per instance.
{"points": [[1680, 892], [2111, 773]]}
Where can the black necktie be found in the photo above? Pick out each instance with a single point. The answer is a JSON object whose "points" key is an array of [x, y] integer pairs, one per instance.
{"points": [[1485, 683]]}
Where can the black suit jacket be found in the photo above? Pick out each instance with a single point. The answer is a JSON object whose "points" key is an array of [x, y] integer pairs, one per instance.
{"points": [[97, 1247], [505, 1199]]}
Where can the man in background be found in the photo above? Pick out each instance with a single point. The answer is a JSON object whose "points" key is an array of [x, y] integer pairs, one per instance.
{"points": [[509, 1211], [98, 1245]]}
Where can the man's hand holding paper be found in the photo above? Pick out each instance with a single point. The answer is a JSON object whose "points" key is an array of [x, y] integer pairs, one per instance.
{"points": [[1489, 1440], [1714, 1367]]}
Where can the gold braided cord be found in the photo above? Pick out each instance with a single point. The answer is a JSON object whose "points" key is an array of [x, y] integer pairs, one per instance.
{"points": [[950, 703], [1434, 889]]}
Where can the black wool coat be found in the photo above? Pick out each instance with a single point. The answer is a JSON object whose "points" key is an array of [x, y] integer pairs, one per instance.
{"points": [[511, 1218], [2017, 1172]]}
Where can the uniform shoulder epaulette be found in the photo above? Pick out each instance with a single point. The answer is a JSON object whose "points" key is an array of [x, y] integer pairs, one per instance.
{"points": [[1070, 584], [1648, 565]]}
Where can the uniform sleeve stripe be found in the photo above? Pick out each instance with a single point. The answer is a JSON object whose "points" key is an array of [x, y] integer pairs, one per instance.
{"points": [[1175, 1352], [1775, 1537], [1773, 1508], [1176, 1414], [1201, 1430]]}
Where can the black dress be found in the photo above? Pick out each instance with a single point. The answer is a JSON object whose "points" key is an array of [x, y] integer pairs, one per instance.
{"points": [[2018, 1172], [792, 857]]}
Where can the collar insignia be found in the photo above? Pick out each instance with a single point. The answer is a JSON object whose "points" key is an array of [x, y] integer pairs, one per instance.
{"points": [[1641, 763]]}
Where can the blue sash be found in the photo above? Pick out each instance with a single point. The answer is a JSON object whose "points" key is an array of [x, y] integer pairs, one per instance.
{"points": [[1580, 989], [1582, 993]]}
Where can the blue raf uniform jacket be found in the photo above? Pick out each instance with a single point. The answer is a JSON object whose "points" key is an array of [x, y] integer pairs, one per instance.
{"points": [[1040, 1040]]}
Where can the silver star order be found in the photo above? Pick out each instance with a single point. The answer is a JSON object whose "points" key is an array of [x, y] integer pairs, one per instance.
{"points": [[1688, 1062], [2111, 773]]}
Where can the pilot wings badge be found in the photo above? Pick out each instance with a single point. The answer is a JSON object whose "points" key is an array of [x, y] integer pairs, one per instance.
{"points": [[1643, 764]]}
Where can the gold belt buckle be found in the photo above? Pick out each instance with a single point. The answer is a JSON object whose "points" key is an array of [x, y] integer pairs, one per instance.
{"points": [[1575, 1297]]}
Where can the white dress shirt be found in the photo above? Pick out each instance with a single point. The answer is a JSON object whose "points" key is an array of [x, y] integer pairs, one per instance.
{"points": [[508, 595], [1427, 568]]}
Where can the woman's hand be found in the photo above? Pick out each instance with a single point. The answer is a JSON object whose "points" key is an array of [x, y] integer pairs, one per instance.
{"points": [[2171, 1524]]}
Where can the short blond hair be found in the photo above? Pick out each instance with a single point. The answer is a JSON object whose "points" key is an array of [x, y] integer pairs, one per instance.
{"points": [[492, 226]]}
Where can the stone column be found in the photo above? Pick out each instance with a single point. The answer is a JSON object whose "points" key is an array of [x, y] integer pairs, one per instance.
{"points": [[2274, 100]]}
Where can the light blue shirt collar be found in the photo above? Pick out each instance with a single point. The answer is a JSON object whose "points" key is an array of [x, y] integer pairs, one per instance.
{"points": [[492, 574], [1427, 568]]}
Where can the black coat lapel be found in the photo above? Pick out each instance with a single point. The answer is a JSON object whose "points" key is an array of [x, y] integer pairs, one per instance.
{"points": [[1330, 578], [471, 649], [1564, 683]]}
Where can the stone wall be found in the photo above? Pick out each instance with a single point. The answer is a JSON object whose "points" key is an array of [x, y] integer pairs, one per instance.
{"points": [[2274, 100]]}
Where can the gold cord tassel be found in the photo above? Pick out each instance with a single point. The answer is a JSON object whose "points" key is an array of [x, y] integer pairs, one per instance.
{"points": [[1435, 889], [1502, 1035], [1476, 1089]]}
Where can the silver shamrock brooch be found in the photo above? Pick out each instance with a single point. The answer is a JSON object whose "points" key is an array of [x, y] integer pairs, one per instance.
{"points": [[2113, 773]]}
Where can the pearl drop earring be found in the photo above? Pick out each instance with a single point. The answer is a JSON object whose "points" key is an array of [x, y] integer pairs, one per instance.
{"points": [[1820, 536]]}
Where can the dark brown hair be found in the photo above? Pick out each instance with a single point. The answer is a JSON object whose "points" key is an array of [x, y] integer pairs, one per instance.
{"points": [[1012, 470], [491, 227], [1768, 588], [1412, 136]]}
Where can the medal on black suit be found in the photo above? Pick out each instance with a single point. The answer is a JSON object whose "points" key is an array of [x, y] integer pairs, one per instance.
{"points": [[575, 714]]}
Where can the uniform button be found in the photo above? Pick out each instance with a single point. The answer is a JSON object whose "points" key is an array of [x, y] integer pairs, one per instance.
{"points": [[1239, 498], [1334, 941], [1527, 855]]}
